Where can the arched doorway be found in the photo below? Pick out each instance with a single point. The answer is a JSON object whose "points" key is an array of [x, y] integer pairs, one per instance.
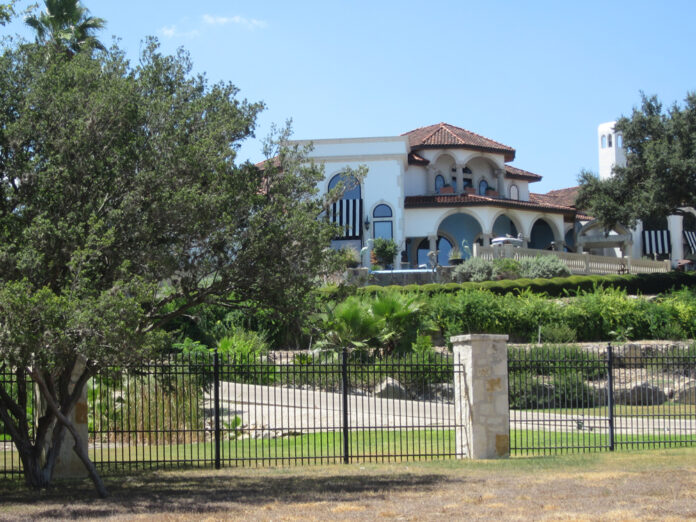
{"points": [[504, 226], [541, 236], [460, 227]]}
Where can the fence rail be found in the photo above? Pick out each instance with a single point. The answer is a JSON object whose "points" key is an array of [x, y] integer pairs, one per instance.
{"points": [[578, 263], [573, 400], [208, 411]]}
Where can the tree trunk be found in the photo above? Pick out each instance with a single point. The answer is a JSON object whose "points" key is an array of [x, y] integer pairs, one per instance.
{"points": [[63, 418]]}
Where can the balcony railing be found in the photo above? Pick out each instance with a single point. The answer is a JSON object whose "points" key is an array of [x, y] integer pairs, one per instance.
{"points": [[578, 263]]}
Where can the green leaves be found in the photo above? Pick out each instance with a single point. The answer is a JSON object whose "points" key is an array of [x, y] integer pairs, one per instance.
{"points": [[660, 172]]}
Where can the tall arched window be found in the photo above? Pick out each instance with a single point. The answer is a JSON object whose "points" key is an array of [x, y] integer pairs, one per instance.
{"points": [[482, 187], [382, 225], [514, 192], [604, 141], [348, 211], [439, 183], [619, 141]]}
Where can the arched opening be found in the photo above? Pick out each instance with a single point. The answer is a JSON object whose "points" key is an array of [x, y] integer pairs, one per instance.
{"points": [[460, 227], [541, 236], [604, 141], [347, 212], [483, 186], [619, 141], [609, 140], [504, 226], [514, 192], [444, 247], [445, 167]]}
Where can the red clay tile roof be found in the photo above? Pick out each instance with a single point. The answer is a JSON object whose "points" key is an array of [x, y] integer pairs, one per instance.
{"points": [[471, 200], [515, 173], [444, 135], [566, 196]]}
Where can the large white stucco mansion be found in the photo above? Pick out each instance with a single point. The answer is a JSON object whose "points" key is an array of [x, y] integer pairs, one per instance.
{"points": [[433, 187]]}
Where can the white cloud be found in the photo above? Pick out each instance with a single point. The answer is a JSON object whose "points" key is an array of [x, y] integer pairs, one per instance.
{"points": [[171, 31], [249, 23]]}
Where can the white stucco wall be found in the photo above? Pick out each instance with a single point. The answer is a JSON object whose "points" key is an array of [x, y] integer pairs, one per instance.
{"points": [[609, 156]]}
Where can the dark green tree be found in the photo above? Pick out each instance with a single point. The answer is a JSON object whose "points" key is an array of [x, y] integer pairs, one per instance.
{"points": [[67, 24], [122, 207], [660, 173]]}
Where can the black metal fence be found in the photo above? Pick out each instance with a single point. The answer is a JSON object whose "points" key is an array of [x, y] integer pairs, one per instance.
{"points": [[209, 411], [570, 399]]}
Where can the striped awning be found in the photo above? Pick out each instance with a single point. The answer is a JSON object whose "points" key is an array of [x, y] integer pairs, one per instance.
{"points": [[656, 242], [348, 214], [690, 236]]}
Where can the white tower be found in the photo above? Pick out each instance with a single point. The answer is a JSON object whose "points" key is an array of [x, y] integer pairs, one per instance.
{"points": [[611, 151]]}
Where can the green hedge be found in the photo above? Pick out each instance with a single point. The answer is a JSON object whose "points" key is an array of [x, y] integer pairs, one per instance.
{"points": [[558, 286]]}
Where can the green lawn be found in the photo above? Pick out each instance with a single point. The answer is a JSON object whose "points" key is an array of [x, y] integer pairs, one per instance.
{"points": [[365, 446]]}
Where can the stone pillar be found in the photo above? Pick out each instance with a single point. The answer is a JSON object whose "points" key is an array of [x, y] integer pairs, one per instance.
{"points": [[482, 409], [487, 239], [675, 224], [68, 464]]}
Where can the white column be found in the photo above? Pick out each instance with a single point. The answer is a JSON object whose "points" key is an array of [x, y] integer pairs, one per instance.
{"points": [[637, 232], [675, 224]]}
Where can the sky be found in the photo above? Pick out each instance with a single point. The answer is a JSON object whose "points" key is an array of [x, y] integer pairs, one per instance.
{"points": [[538, 76]]}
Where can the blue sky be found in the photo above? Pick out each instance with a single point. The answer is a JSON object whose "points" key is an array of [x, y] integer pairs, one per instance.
{"points": [[538, 76]]}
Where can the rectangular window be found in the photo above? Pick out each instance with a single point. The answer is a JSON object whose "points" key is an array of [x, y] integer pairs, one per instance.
{"points": [[383, 229]]}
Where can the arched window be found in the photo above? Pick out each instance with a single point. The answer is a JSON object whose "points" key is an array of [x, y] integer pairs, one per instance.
{"points": [[350, 184], [347, 211], [482, 187], [514, 192], [439, 183], [619, 141], [382, 226], [604, 141], [609, 140]]}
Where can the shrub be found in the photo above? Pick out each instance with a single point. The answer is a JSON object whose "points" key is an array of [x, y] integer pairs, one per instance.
{"points": [[544, 267], [558, 333], [385, 250], [474, 269], [506, 269]]}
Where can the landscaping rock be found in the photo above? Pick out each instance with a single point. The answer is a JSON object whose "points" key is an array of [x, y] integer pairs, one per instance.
{"points": [[391, 389], [686, 394], [643, 394], [440, 391]]}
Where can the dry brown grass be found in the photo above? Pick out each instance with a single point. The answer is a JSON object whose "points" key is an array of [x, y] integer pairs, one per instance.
{"points": [[655, 485]]}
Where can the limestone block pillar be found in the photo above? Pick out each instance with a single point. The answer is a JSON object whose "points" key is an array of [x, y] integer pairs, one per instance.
{"points": [[482, 410]]}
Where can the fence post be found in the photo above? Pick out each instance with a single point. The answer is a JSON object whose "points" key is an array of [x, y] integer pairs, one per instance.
{"points": [[482, 409], [587, 262], [216, 406], [610, 393], [344, 392]]}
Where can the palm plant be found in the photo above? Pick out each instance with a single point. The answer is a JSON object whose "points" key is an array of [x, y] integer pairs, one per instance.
{"points": [[67, 24]]}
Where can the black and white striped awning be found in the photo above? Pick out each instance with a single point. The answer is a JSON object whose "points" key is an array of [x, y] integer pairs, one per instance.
{"points": [[690, 236], [656, 242], [348, 214]]}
